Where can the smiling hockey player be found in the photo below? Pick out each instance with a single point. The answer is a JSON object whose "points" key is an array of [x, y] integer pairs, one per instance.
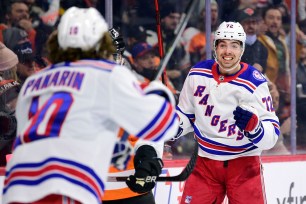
{"points": [[228, 105]]}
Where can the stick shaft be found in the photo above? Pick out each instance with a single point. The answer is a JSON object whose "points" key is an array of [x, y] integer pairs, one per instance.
{"points": [[181, 177], [160, 38]]}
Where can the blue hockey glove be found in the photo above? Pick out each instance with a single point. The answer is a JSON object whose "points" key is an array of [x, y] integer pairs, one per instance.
{"points": [[246, 118]]}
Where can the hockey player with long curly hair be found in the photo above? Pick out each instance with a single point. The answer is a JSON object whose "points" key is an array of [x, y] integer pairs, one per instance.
{"points": [[69, 115]]}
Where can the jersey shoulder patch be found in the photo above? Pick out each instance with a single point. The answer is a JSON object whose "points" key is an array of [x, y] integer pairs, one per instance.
{"points": [[258, 75]]}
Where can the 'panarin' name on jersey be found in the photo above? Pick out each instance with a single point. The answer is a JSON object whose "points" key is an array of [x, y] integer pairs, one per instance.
{"points": [[71, 79]]}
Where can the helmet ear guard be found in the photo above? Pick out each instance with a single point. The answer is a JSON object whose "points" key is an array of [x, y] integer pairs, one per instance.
{"points": [[81, 28]]}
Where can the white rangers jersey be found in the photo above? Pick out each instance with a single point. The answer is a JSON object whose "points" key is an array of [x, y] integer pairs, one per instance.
{"points": [[206, 106], [68, 118]]}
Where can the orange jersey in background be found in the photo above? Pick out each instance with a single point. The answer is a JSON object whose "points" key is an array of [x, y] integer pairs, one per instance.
{"points": [[119, 190]]}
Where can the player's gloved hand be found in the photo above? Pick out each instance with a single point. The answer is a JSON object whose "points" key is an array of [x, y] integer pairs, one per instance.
{"points": [[157, 87], [247, 118], [178, 134], [118, 41], [147, 168], [119, 44], [121, 155]]}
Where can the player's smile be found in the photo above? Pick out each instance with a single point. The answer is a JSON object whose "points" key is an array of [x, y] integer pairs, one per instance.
{"points": [[227, 59]]}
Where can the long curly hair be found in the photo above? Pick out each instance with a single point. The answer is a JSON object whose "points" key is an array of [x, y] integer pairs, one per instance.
{"points": [[57, 54]]}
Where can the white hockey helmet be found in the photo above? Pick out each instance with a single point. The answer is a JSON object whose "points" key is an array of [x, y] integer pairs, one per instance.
{"points": [[230, 31], [81, 28]]}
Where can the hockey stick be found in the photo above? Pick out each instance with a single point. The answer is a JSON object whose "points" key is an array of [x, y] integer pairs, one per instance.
{"points": [[160, 38], [190, 166], [181, 177]]}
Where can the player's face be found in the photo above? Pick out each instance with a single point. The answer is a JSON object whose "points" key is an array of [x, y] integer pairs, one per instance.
{"points": [[228, 55]]}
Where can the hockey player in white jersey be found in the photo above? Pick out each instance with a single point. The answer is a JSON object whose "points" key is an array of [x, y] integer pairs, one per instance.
{"points": [[69, 114], [228, 106]]}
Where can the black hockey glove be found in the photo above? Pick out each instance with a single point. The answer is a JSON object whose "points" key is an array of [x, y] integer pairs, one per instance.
{"points": [[117, 40], [147, 168], [119, 44]]}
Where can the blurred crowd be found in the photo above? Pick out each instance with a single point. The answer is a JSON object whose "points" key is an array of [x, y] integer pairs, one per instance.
{"points": [[25, 26]]}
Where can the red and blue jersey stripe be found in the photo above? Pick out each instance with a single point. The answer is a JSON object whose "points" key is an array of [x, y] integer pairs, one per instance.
{"points": [[159, 124], [32, 174]]}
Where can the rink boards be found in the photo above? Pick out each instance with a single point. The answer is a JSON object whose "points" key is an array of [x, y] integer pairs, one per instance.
{"points": [[285, 180]]}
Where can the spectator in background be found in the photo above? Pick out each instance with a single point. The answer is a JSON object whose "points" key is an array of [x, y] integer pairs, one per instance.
{"points": [[285, 29], [17, 40], [301, 39], [170, 16], [195, 37], [8, 97], [301, 8], [301, 68], [9, 89], [255, 53], [232, 8], [8, 63], [145, 61], [12, 36], [18, 16], [277, 69], [301, 98], [26, 66], [133, 35]]}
